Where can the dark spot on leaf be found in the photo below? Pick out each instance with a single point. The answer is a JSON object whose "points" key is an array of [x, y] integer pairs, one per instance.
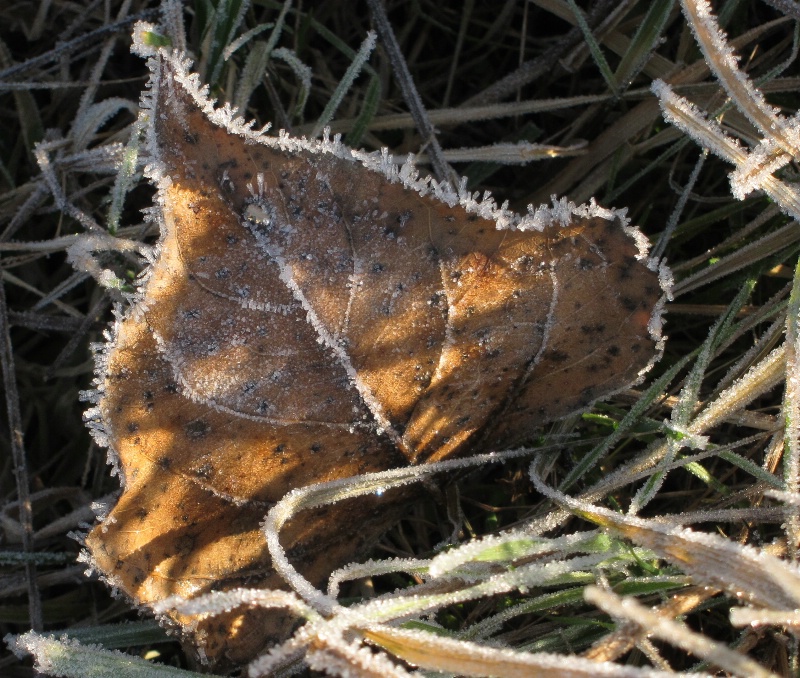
{"points": [[197, 428]]}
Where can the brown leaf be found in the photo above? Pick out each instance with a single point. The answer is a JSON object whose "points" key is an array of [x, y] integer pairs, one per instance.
{"points": [[312, 315]]}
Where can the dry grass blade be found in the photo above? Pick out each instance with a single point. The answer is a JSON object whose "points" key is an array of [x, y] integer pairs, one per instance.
{"points": [[19, 461], [469, 659], [664, 629]]}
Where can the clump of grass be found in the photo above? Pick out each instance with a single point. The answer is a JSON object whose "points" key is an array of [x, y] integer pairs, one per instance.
{"points": [[631, 542]]}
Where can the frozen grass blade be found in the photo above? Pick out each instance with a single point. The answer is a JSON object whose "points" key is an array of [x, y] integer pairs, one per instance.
{"points": [[20, 557], [628, 610], [303, 74], [245, 37], [216, 602], [19, 461], [754, 169], [748, 616], [519, 153], [69, 659], [594, 48], [345, 84], [707, 132], [458, 657], [743, 571], [85, 107], [219, 23], [86, 127], [723, 62], [257, 60], [368, 111], [321, 494], [674, 217], [755, 251], [172, 19], [410, 93], [118, 636], [678, 433], [252, 73], [791, 411], [759, 379], [788, 7], [30, 120], [643, 43], [630, 419], [374, 568], [125, 179]]}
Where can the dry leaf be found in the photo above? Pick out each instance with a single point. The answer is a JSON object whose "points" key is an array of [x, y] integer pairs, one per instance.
{"points": [[315, 313]]}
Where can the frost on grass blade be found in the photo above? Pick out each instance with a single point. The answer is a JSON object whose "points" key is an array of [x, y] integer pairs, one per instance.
{"points": [[67, 657], [313, 314]]}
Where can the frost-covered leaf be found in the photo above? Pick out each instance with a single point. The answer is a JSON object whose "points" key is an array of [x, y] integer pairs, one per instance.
{"points": [[316, 313]]}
